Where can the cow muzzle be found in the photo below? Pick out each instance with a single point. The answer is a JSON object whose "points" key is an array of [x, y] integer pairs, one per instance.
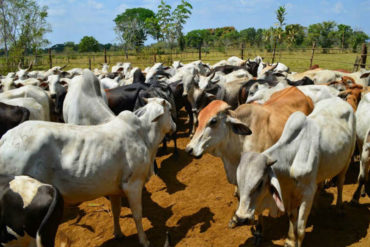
{"points": [[189, 149], [238, 221]]}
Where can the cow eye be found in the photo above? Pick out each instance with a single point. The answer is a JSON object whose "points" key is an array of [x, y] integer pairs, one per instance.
{"points": [[213, 121]]}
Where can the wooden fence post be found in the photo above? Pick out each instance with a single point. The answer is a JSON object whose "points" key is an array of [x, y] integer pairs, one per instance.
{"points": [[242, 52], [200, 51], [363, 55], [89, 63], [313, 53], [355, 65], [50, 60], [105, 55]]}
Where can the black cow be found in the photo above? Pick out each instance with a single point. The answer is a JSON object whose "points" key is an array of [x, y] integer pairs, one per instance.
{"points": [[227, 69], [11, 116], [244, 90], [301, 82], [252, 67], [29, 211]]}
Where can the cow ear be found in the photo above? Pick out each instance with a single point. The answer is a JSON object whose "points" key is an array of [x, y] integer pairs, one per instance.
{"points": [[275, 190], [157, 115], [238, 127], [211, 96], [365, 75]]}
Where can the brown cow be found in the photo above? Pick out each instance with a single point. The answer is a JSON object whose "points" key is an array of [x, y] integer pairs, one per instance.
{"points": [[352, 95], [226, 134]]}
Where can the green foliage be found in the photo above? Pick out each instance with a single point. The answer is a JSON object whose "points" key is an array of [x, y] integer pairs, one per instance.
{"points": [[358, 38], [88, 44], [322, 33], [132, 26], [198, 37], [23, 27], [248, 36], [295, 34], [344, 34], [280, 15]]}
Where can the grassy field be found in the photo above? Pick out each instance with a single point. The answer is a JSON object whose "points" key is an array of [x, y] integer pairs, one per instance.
{"points": [[298, 59]]}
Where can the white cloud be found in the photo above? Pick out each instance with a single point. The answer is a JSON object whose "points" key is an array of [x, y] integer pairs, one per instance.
{"points": [[95, 4]]}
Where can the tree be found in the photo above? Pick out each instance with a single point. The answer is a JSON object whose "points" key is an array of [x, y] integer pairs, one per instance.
{"points": [[197, 37], [358, 38], [248, 35], [23, 26], [344, 34], [88, 44], [165, 21], [180, 15], [294, 34], [322, 33], [132, 27]]}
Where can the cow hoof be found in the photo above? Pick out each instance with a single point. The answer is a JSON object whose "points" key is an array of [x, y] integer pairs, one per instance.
{"points": [[232, 223], [289, 243]]}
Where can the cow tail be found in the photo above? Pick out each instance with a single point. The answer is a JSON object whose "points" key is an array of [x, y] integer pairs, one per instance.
{"points": [[49, 225]]}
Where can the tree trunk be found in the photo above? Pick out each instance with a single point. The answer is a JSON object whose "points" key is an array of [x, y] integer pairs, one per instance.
{"points": [[5, 36]]}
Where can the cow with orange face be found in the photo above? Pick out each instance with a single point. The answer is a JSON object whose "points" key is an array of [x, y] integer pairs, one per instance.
{"points": [[251, 127]]}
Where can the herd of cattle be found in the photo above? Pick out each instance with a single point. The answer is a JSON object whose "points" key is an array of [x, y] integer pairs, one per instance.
{"points": [[281, 135]]}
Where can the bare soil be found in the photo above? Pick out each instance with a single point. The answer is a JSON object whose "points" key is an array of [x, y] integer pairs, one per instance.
{"points": [[192, 200]]}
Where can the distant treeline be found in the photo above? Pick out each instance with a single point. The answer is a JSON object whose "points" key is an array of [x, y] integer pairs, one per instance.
{"points": [[325, 34]]}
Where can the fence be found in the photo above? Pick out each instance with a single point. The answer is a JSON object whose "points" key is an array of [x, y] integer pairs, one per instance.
{"points": [[298, 59]]}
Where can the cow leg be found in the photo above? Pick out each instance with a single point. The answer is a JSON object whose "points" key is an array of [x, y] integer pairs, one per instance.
{"points": [[133, 191], [362, 179], [292, 232], [340, 182], [115, 202], [190, 113], [303, 213], [164, 144], [195, 123], [174, 137]]}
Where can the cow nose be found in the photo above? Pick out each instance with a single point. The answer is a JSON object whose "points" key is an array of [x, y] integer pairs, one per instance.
{"points": [[188, 149]]}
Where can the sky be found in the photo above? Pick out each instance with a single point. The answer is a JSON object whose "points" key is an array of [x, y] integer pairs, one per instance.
{"points": [[72, 19]]}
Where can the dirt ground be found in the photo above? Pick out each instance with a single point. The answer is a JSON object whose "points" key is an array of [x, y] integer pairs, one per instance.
{"points": [[192, 200]]}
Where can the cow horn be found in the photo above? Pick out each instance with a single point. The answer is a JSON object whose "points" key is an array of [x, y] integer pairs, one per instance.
{"points": [[19, 65], [64, 66], [213, 73], [30, 67], [270, 161]]}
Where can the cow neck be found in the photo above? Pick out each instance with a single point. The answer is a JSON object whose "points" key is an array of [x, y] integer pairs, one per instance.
{"points": [[230, 153], [152, 131]]}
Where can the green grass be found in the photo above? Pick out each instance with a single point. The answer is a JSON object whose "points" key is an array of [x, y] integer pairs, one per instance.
{"points": [[298, 59]]}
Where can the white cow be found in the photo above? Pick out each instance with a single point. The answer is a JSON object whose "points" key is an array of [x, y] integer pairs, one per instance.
{"points": [[362, 127], [84, 103], [87, 162], [310, 150], [35, 108], [33, 92]]}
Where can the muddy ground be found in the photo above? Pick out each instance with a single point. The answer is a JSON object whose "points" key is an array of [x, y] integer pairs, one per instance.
{"points": [[192, 200]]}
